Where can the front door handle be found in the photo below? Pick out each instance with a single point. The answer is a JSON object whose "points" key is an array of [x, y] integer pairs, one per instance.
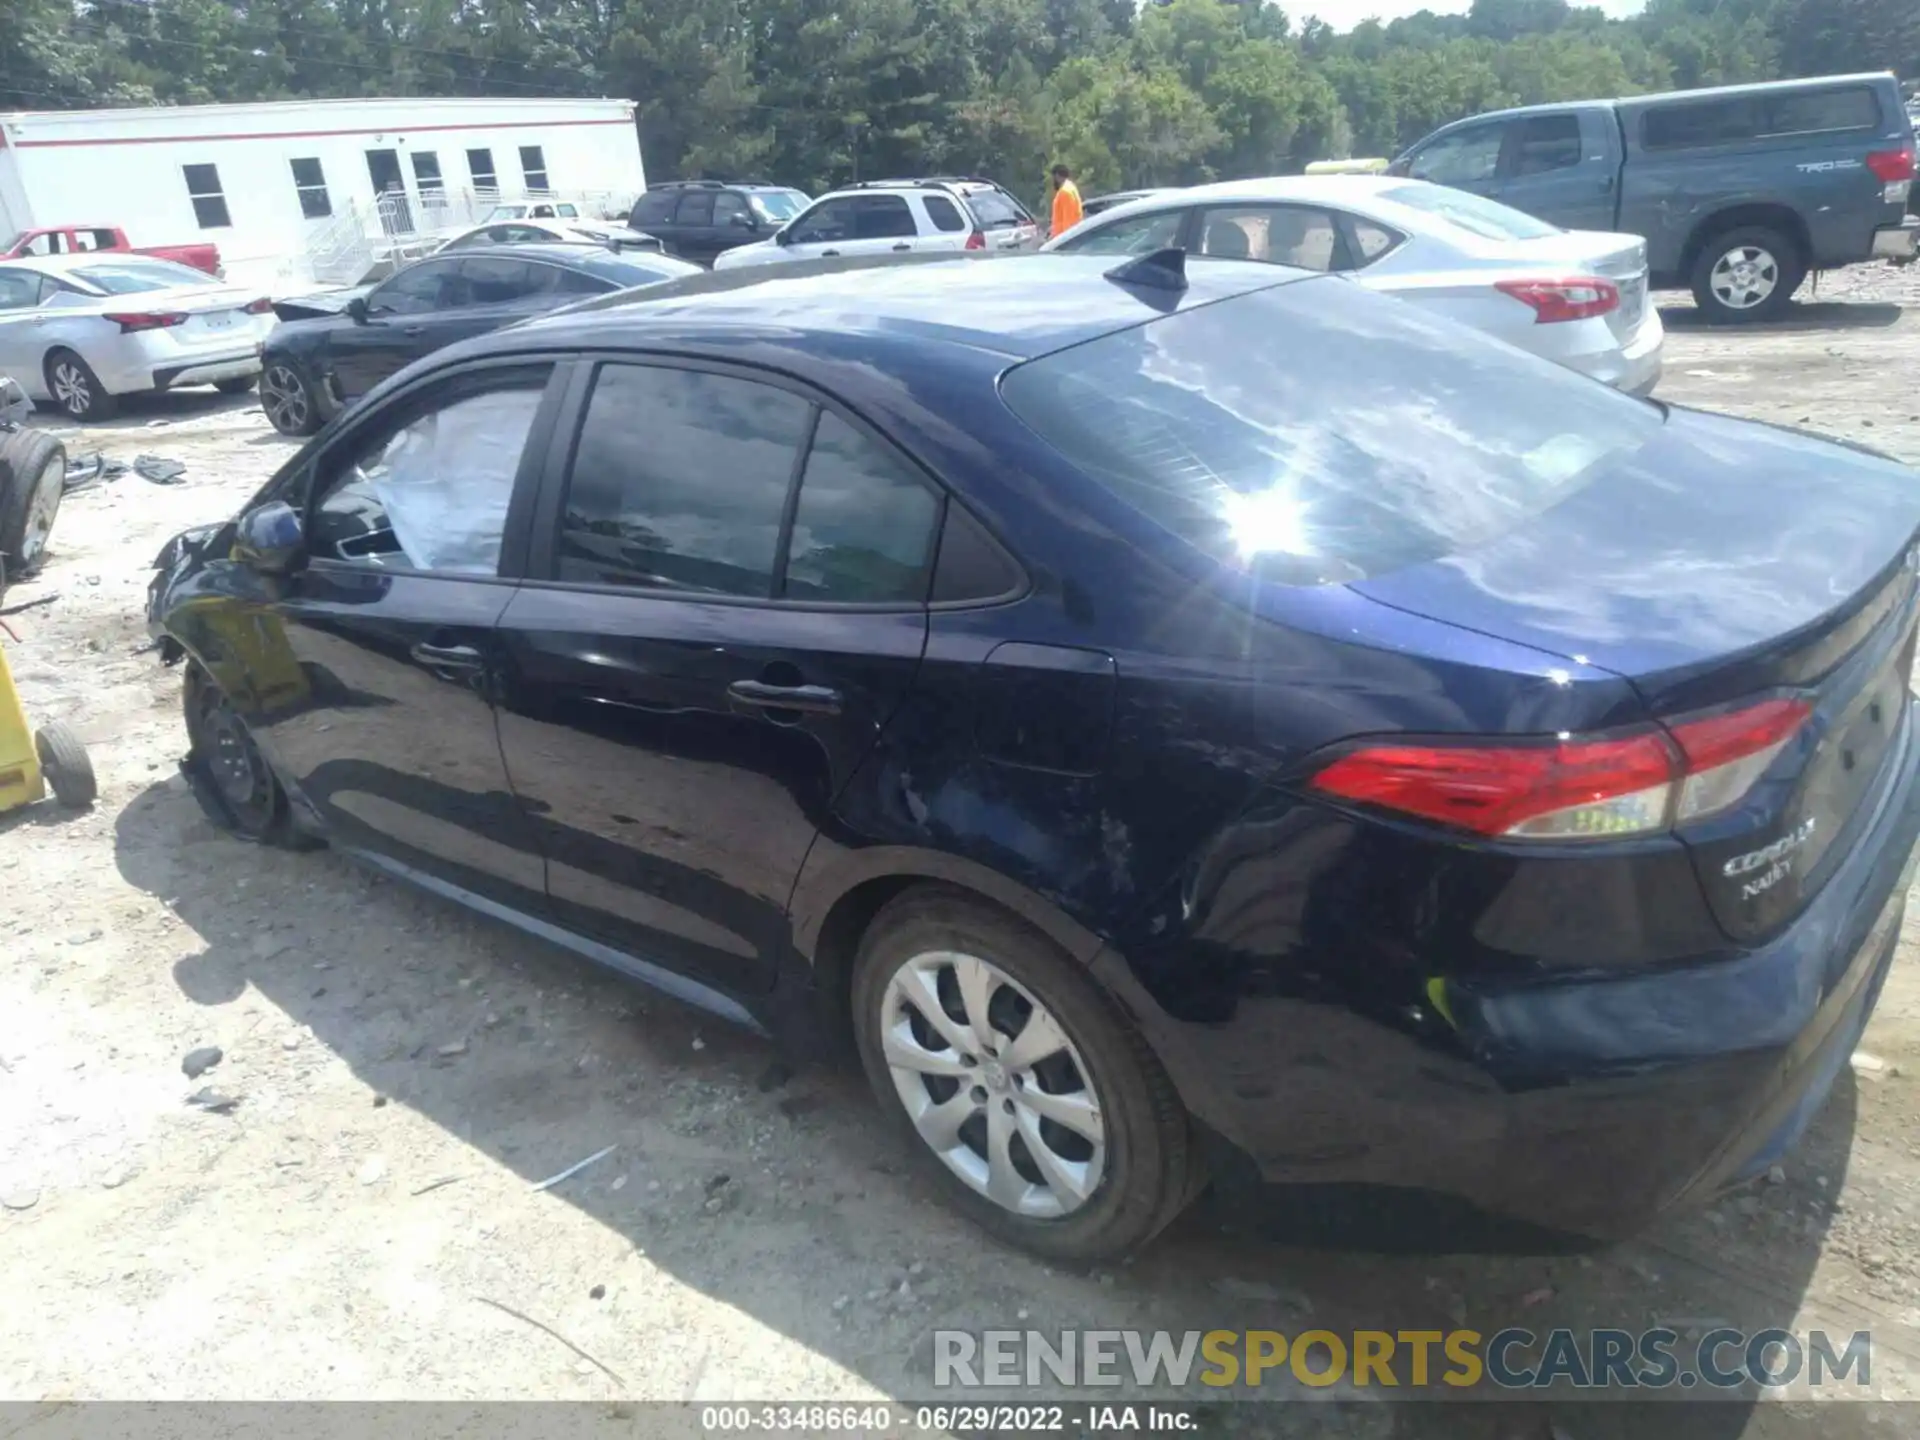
{"points": [[903, 245], [414, 330], [805, 699], [462, 658], [825, 253]]}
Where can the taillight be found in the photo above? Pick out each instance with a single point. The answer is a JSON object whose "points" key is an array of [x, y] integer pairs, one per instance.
{"points": [[151, 320], [976, 241], [1573, 789], [262, 306], [1892, 166], [1556, 300]]}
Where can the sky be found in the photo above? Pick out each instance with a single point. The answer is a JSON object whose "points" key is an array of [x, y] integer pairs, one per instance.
{"points": [[1345, 14]]}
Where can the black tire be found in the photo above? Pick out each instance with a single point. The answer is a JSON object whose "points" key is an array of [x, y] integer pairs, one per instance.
{"points": [[64, 763], [86, 399], [1152, 1164], [238, 385], [231, 776], [288, 399], [33, 474], [1774, 259]]}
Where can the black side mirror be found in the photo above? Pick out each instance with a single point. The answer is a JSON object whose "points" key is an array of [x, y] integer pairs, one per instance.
{"points": [[783, 237], [745, 222], [357, 309], [271, 539]]}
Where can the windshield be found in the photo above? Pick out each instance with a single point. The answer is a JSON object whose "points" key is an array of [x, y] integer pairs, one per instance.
{"points": [[777, 205], [1488, 219], [996, 211], [1316, 432], [129, 277]]}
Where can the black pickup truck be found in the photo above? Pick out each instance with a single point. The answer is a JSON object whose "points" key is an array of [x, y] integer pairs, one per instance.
{"points": [[1738, 192]]}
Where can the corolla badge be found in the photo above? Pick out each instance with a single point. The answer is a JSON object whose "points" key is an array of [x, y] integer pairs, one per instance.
{"points": [[1773, 861]]}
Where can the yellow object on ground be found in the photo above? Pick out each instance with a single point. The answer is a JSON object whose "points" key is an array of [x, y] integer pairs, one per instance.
{"points": [[31, 762], [1374, 165]]}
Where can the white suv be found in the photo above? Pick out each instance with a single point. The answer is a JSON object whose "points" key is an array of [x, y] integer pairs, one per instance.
{"points": [[895, 217]]}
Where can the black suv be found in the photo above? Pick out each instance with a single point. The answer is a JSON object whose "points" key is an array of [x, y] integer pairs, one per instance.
{"points": [[697, 219]]}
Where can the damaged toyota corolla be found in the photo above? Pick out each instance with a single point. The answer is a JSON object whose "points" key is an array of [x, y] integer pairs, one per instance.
{"points": [[1182, 725]]}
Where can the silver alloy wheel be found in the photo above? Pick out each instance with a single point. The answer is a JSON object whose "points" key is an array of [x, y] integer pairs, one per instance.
{"points": [[41, 509], [992, 1083], [284, 398], [1744, 277], [71, 387]]}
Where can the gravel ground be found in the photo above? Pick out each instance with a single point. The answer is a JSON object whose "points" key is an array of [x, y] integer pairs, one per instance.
{"points": [[362, 1222]]}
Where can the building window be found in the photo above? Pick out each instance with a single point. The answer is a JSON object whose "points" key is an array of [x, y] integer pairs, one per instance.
{"points": [[533, 164], [209, 205], [480, 167], [311, 181], [426, 172]]}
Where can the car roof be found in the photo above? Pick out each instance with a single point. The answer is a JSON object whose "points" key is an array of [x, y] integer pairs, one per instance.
{"points": [[1718, 92], [1340, 190], [1017, 306]]}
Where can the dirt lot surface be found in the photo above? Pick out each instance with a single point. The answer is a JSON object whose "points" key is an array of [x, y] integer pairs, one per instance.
{"points": [[361, 1224]]}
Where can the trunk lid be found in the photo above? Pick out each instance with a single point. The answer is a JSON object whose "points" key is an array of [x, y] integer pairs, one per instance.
{"points": [[1720, 564], [1619, 258]]}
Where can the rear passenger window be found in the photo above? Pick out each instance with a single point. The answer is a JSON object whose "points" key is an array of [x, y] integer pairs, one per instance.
{"points": [[1810, 112], [864, 527], [1370, 241], [498, 281], [883, 217], [944, 213], [653, 208], [679, 482], [1546, 142], [696, 209]]}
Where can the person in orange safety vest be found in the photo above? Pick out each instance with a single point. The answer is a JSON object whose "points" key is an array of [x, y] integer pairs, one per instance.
{"points": [[1066, 201]]}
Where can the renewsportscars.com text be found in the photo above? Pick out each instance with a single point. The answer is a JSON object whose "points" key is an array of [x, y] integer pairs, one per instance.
{"points": [[1511, 1359]]}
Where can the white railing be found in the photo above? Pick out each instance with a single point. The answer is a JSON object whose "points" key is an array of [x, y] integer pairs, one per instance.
{"points": [[398, 227]]}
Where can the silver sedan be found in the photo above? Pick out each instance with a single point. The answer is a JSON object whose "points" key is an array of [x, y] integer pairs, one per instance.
{"points": [[1577, 297]]}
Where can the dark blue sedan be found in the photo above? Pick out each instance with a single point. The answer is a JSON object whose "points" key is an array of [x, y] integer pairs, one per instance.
{"points": [[1199, 725]]}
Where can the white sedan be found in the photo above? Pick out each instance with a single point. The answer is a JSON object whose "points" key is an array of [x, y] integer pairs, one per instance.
{"points": [[1578, 297], [83, 330]]}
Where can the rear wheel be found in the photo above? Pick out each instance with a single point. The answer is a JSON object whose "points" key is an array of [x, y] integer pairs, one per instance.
{"points": [[64, 763], [238, 385], [33, 477], [289, 402], [77, 390], [1747, 274], [1036, 1108]]}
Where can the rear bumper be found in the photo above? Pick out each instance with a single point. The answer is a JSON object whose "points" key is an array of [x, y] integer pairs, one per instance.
{"points": [[1573, 1109], [1899, 243], [1591, 347], [207, 371]]}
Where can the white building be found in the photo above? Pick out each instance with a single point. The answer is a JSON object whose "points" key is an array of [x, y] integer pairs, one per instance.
{"points": [[302, 190]]}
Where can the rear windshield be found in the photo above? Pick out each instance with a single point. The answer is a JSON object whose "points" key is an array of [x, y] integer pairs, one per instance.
{"points": [[130, 277], [995, 211], [1316, 432], [777, 204], [644, 269], [1488, 219]]}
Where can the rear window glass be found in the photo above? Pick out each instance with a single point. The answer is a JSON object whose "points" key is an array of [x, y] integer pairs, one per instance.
{"points": [[1488, 219], [943, 213], [1753, 117], [130, 277], [1316, 432], [995, 211], [648, 269]]}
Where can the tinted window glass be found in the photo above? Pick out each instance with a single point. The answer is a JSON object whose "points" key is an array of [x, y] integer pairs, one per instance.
{"points": [[1546, 142], [1274, 234], [428, 489], [1854, 108], [1135, 235], [1712, 122], [572, 282], [777, 205], [1242, 428], [696, 208], [679, 481], [944, 213], [496, 280], [654, 208], [727, 206], [971, 566], [1461, 158], [1475, 214], [415, 291], [19, 289], [882, 217], [827, 221], [1371, 240], [864, 526]]}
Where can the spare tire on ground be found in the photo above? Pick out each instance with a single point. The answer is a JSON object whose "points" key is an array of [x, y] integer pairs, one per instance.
{"points": [[33, 475]]}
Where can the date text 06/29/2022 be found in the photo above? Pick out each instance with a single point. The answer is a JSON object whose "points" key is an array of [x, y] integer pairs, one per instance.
{"points": [[943, 1420]]}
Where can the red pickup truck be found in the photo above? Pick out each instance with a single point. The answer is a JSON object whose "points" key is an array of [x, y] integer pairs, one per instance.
{"points": [[86, 239]]}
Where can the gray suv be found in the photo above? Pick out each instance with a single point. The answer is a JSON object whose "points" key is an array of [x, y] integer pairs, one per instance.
{"points": [[1739, 192]]}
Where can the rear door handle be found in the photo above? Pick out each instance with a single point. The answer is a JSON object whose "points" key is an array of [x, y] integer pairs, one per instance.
{"points": [[414, 330], [903, 245], [825, 253], [463, 658], [807, 699]]}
